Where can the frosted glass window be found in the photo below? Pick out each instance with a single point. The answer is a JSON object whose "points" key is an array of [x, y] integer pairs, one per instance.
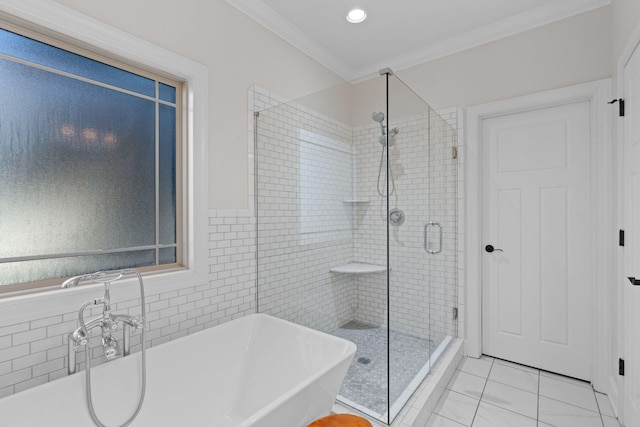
{"points": [[88, 166], [36, 52], [167, 93]]}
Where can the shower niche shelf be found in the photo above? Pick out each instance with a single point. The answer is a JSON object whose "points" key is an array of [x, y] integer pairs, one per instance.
{"points": [[356, 202], [358, 268]]}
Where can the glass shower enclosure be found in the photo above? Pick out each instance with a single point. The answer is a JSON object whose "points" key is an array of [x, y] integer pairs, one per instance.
{"points": [[356, 201]]}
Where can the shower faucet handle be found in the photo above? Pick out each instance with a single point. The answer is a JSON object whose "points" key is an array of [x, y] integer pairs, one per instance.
{"points": [[490, 248]]}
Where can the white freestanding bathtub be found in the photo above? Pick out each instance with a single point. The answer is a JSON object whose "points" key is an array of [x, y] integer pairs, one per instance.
{"points": [[257, 371]]}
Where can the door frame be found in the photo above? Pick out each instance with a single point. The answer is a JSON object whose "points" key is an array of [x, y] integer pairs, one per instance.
{"points": [[602, 205], [616, 384]]}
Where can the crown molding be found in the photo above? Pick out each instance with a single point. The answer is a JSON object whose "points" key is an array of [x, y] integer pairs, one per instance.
{"points": [[67, 22], [293, 35], [541, 16], [499, 30]]}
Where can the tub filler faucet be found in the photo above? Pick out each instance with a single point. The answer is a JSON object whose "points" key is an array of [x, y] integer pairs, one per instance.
{"points": [[108, 322]]}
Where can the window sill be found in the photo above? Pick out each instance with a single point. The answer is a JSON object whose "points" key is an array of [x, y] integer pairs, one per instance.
{"points": [[41, 305]]}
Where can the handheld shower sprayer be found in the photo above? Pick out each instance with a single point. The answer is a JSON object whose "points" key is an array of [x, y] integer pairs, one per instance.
{"points": [[101, 276]]}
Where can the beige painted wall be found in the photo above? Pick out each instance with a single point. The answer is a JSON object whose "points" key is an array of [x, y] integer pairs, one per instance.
{"points": [[563, 53], [238, 52], [625, 17]]}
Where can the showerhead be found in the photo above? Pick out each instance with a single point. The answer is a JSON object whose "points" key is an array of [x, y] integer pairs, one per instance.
{"points": [[378, 116]]}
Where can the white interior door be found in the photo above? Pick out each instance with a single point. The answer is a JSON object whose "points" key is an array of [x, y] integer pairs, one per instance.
{"points": [[537, 291], [631, 293]]}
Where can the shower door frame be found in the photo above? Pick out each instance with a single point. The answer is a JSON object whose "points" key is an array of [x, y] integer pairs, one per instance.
{"points": [[435, 124], [430, 116]]}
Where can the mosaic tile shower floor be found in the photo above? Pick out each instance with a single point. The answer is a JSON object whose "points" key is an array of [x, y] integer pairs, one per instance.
{"points": [[366, 380]]}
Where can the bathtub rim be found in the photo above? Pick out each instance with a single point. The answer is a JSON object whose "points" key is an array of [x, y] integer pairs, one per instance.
{"points": [[345, 357]]}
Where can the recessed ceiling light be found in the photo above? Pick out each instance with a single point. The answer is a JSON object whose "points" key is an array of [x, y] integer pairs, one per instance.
{"points": [[356, 15]]}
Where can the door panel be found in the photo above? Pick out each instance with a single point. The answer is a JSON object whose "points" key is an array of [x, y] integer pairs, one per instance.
{"points": [[554, 280], [509, 283], [536, 191]]}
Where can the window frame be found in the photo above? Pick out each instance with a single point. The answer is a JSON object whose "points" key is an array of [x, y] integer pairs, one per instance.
{"points": [[36, 285], [69, 26]]}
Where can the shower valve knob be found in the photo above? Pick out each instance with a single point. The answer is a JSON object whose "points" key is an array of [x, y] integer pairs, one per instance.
{"points": [[490, 248]]}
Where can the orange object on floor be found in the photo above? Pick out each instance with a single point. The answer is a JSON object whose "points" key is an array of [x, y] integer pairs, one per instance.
{"points": [[341, 420]]}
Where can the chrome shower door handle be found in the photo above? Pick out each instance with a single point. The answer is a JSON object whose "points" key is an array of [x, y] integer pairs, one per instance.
{"points": [[427, 243]]}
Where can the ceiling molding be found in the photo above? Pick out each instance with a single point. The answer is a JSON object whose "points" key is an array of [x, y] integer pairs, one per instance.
{"points": [[274, 22], [541, 16], [499, 30]]}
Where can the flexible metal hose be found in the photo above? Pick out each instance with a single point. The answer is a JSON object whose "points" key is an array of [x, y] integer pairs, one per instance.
{"points": [[144, 363], [393, 183]]}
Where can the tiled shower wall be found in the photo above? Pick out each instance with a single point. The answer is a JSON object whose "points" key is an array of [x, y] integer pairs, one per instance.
{"points": [[294, 278], [35, 352], [304, 228], [422, 293]]}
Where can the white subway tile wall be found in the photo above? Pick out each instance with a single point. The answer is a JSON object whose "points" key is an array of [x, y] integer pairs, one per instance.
{"points": [[35, 352], [294, 278], [304, 228], [423, 290]]}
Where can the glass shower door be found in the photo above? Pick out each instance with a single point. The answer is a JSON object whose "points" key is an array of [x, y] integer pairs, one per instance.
{"points": [[422, 247]]}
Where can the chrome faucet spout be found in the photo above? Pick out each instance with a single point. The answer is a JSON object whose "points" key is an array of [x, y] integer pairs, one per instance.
{"points": [[111, 347], [97, 321]]}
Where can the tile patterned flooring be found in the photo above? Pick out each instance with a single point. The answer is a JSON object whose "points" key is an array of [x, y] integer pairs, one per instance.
{"points": [[366, 383], [489, 392]]}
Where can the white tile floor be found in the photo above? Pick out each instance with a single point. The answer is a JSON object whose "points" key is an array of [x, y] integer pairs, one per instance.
{"points": [[489, 392]]}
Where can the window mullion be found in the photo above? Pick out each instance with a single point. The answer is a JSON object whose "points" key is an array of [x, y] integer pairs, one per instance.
{"points": [[83, 253], [157, 177]]}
